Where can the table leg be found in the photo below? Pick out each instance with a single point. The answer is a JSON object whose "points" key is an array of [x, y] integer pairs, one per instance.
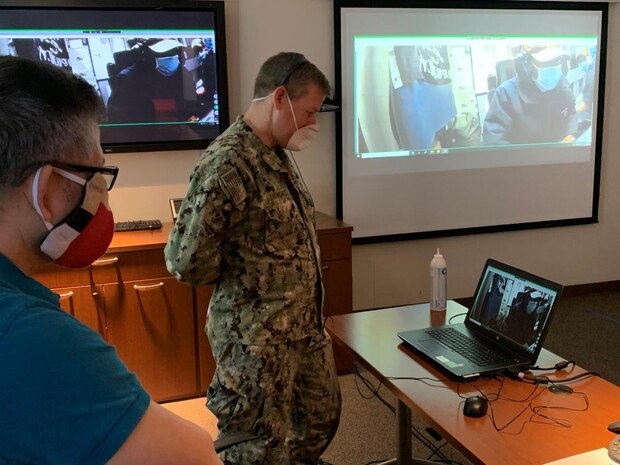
{"points": [[403, 447]]}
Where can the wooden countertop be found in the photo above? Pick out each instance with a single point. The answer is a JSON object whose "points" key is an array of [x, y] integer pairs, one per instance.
{"points": [[327, 224], [128, 241]]}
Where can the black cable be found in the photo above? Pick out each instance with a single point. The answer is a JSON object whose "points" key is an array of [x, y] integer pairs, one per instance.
{"points": [[530, 397], [537, 415], [447, 461], [536, 410], [543, 379], [560, 422], [558, 366], [454, 316], [526, 376], [375, 393], [415, 433]]}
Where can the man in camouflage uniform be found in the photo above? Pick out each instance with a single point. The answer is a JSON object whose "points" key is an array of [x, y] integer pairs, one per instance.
{"points": [[247, 225]]}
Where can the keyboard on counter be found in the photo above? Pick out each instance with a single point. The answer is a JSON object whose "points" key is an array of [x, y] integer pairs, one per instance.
{"points": [[138, 225]]}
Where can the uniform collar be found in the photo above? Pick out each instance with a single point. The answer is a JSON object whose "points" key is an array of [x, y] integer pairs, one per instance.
{"points": [[277, 159], [273, 156]]}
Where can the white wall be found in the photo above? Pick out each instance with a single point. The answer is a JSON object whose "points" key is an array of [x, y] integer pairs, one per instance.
{"points": [[393, 273]]}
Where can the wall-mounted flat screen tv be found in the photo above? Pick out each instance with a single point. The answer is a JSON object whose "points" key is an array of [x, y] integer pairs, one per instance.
{"points": [[159, 67], [462, 117]]}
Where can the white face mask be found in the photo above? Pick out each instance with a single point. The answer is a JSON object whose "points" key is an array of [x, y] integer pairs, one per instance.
{"points": [[302, 137]]}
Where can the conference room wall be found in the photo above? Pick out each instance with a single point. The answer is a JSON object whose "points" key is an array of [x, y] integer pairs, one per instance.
{"points": [[391, 273]]}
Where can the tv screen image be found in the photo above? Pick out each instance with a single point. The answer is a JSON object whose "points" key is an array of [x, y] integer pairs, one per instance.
{"points": [[160, 70], [467, 117]]}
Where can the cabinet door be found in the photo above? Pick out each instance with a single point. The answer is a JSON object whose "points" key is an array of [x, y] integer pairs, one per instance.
{"points": [[338, 287], [151, 324], [86, 304], [207, 364], [338, 301]]}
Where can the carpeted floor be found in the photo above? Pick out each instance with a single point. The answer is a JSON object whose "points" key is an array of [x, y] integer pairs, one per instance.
{"points": [[195, 411], [367, 432], [585, 329]]}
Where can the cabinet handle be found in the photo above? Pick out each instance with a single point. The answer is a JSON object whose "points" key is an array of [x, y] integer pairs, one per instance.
{"points": [[105, 261], [324, 267], [66, 295], [148, 287]]}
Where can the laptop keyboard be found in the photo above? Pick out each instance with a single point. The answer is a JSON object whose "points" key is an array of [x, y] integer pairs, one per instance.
{"points": [[469, 348]]}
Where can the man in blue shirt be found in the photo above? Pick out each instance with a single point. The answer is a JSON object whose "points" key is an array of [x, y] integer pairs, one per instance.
{"points": [[65, 396], [534, 106]]}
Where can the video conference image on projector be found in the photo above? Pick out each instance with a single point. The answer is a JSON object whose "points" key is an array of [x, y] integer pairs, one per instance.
{"points": [[425, 95]]}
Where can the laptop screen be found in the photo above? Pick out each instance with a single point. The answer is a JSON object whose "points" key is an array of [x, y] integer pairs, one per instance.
{"points": [[514, 305]]}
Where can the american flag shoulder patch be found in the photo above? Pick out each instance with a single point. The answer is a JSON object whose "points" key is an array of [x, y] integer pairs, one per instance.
{"points": [[232, 183]]}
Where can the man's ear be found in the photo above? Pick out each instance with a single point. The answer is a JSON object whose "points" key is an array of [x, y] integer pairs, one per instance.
{"points": [[41, 189], [279, 97]]}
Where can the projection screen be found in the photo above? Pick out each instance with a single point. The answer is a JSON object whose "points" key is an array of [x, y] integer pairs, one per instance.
{"points": [[463, 117]]}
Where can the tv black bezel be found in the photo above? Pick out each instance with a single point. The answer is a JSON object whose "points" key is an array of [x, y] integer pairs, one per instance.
{"points": [[217, 6]]}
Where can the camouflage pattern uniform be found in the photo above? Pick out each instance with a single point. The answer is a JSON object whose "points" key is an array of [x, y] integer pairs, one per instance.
{"points": [[247, 225]]}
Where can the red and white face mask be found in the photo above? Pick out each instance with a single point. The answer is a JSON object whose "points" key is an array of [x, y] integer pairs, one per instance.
{"points": [[86, 232]]}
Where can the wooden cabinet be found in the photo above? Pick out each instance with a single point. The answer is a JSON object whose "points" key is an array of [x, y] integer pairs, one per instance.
{"points": [[157, 324], [335, 241], [129, 297], [207, 364], [151, 324], [84, 303]]}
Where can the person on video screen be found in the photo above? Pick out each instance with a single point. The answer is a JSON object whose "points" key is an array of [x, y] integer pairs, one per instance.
{"points": [[161, 80], [536, 105], [586, 61], [523, 315], [489, 313], [421, 97]]}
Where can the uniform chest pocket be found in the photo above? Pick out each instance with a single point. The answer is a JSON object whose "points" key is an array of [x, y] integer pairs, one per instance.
{"points": [[285, 232]]}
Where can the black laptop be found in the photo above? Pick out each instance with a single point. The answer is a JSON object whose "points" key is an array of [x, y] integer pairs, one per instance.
{"points": [[505, 327]]}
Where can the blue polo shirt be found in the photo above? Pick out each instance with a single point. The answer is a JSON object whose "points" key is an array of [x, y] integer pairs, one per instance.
{"points": [[65, 396]]}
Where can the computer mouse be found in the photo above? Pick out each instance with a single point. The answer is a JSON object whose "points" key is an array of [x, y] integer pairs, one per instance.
{"points": [[614, 427], [475, 406]]}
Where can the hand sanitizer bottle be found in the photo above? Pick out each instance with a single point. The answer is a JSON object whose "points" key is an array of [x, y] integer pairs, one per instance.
{"points": [[439, 281]]}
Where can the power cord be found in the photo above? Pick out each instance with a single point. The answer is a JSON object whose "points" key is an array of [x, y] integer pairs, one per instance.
{"points": [[491, 398], [526, 375], [557, 367], [543, 379], [521, 373], [536, 411], [434, 450], [456, 316]]}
